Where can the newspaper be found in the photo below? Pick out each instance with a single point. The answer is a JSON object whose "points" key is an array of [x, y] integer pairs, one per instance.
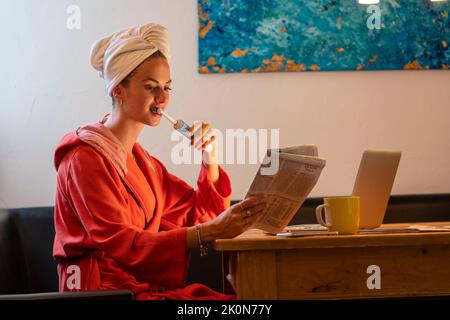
{"points": [[297, 173]]}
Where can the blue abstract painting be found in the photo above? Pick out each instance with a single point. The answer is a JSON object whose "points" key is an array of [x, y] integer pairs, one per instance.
{"points": [[314, 35]]}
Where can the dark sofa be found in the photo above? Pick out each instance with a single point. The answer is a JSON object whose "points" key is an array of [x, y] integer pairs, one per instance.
{"points": [[27, 268]]}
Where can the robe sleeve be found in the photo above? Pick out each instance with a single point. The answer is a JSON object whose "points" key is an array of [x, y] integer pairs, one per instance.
{"points": [[186, 206], [94, 186]]}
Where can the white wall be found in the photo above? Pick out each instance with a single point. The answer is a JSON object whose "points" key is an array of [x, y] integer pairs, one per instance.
{"points": [[48, 89]]}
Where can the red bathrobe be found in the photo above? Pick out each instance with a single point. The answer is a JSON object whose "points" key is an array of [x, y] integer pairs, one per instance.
{"points": [[127, 229]]}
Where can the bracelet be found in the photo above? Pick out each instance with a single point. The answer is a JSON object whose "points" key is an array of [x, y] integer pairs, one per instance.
{"points": [[203, 247]]}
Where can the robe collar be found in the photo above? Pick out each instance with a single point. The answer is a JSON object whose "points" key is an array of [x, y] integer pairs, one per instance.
{"points": [[104, 141]]}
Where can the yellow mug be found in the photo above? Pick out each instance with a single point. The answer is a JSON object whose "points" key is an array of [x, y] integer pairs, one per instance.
{"points": [[341, 214]]}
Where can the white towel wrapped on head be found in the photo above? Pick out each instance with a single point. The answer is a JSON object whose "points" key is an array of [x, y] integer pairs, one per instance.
{"points": [[117, 55]]}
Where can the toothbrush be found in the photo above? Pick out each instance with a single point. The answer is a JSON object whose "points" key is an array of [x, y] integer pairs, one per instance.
{"points": [[179, 125], [182, 127]]}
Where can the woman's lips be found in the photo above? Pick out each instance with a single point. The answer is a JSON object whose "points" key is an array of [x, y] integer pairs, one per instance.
{"points": [[155, 110], [155, 113]]}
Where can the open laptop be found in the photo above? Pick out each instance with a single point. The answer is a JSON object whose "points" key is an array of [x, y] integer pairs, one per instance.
{"points": [[373, 184]]}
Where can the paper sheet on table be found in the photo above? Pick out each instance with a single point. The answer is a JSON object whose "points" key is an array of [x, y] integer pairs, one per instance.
{"points": [[425, 228], [410, 229]]}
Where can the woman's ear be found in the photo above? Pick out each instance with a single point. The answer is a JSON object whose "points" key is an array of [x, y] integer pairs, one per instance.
{"points": [[117, 92], [118, 95]]}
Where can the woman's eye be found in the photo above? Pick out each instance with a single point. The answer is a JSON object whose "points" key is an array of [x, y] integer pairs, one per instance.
{"points": [[151, 89]]}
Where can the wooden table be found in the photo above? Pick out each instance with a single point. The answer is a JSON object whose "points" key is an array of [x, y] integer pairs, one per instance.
{"points": [[337, 267]]}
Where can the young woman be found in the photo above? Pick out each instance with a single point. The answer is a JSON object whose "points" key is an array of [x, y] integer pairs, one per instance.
{"points": [[122, 220]]}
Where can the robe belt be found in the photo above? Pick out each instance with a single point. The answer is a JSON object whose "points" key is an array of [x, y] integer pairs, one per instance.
{"points": [[95, 254]]}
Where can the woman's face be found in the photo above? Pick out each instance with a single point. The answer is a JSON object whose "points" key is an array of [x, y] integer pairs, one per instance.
{"points": [[148, 88]]}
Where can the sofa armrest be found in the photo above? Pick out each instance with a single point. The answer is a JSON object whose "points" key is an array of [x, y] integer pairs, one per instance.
{"points": [[80, 295]]}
